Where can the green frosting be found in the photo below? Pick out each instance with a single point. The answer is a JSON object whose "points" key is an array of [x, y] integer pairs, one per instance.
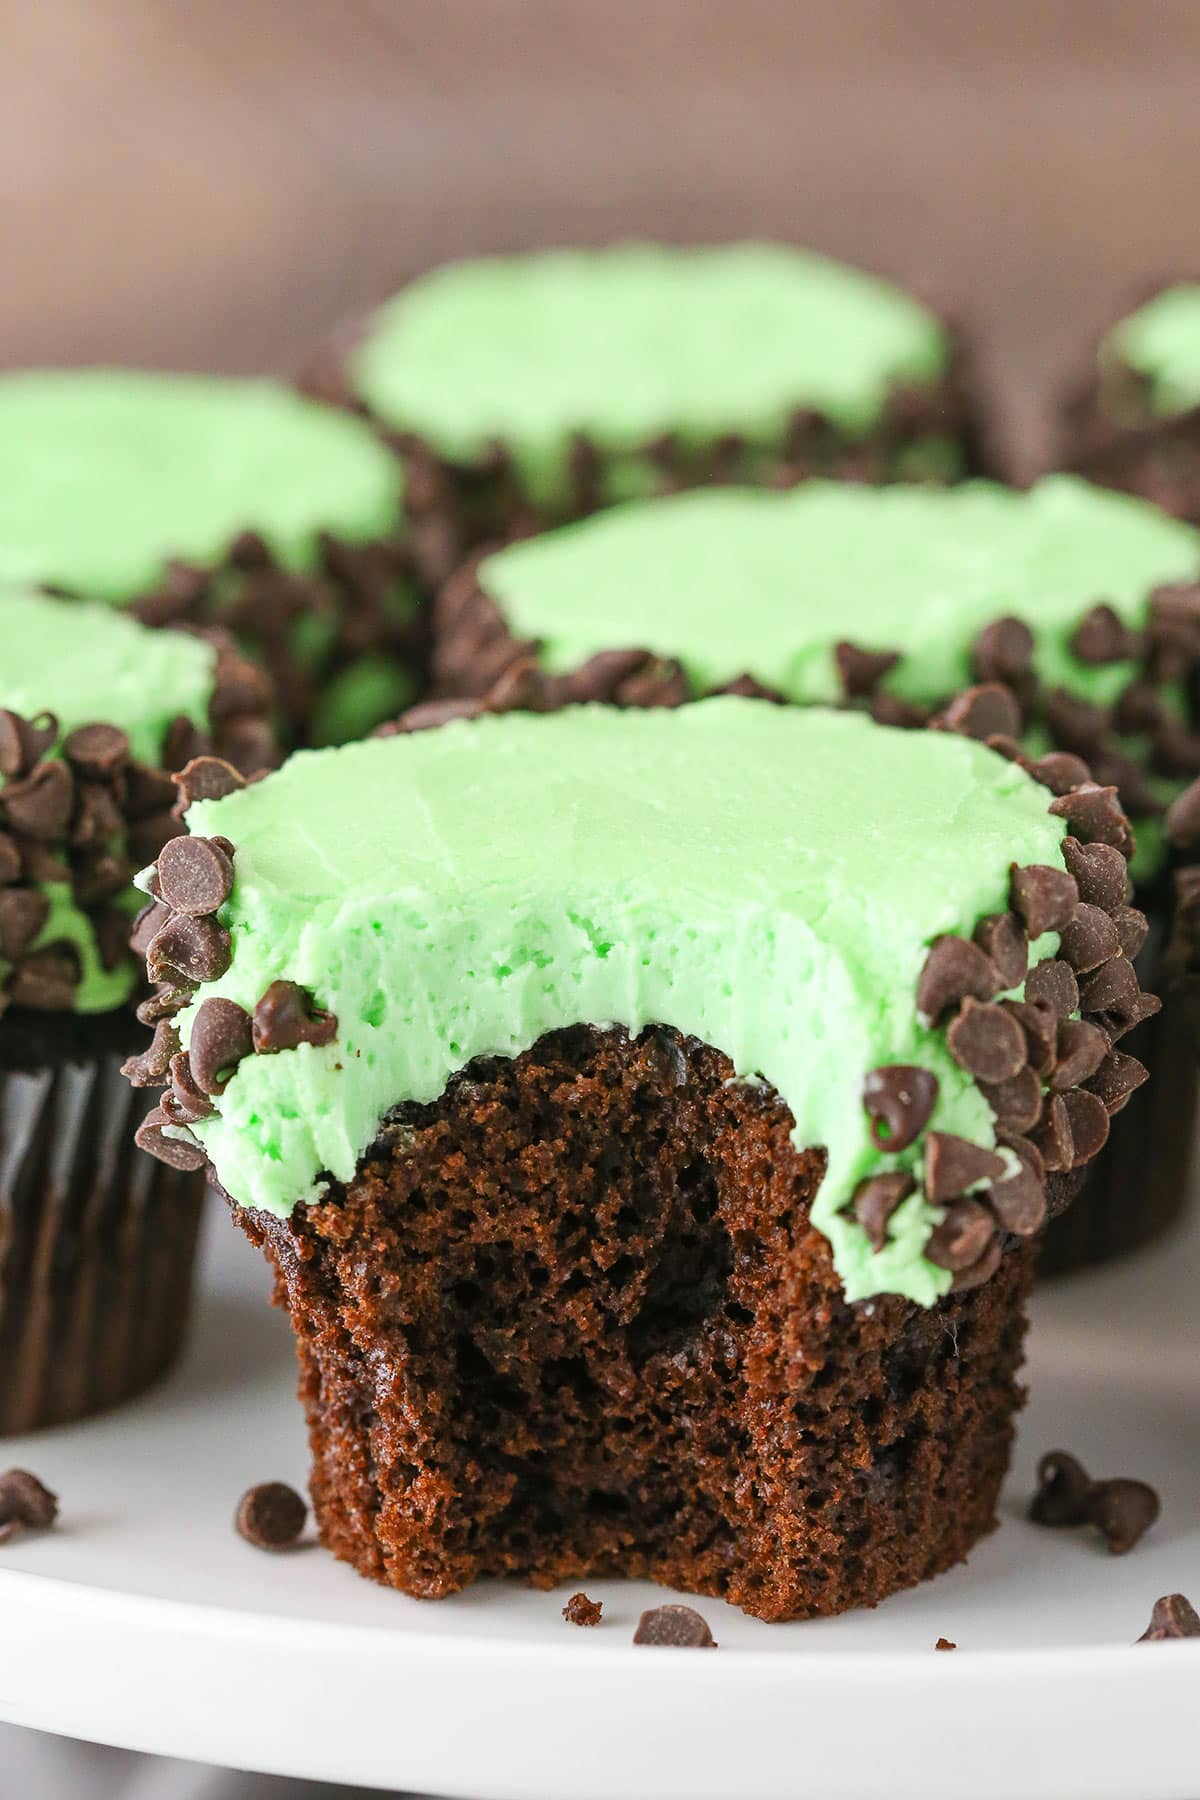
{"points": [[632, 342], [1161, 341], [767, 879], [733, 581], [106, 475], [86, 664]]}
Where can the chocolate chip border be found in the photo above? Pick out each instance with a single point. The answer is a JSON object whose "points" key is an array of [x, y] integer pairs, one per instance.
{"points": [[1051, 1080], [92, 816], [452, 507]]}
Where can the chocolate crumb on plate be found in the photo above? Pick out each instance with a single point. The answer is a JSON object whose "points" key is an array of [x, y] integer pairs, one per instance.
{"points": [[579, 1610], [25, 1504], [945, 1644], [674, 1627], [1174, 1616], [271, 1516]]}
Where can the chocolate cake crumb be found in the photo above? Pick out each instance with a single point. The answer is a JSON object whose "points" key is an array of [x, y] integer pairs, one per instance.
{"points": [[579, 1610], [944, 1643], [25, 1504], [674, 1627], [271, 1516], [1173, 1616]]}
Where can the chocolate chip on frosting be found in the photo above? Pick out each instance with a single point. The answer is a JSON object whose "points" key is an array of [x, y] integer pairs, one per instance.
{"points": [[1081, 1048], [197, 949], [1087, 1117], [1060, 771], [962, 1236], [876, 1199], [1112, 992], [23, 741], [1133, 928], [954, 970], [146, 927], [860, 670], [45, 980], [1095, 816], [97, 752], [899, 1099], [1052, 1135], [1053, 983], [195, 875], [221, 1036], [1045, 897], [1018, 1202], [1002, 938], [1101, 873], [206, 778], [1173, 1616], [990, 710], [1116, 1079], [39, 804], [1088, 939], [182, 1153], [153, 1066], [986, 1041], [1016, 1102], [1101, 636], [285, 1017], [1039, 1022], [1003, 650], [1183, 818], [954, 1164], [23, 912], [191, 1102]]}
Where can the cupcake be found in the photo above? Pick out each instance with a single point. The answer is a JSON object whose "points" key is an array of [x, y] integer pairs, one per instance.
{"points": [[650, 1116], [96, 1242], [1133, 419], [200, 501], [1079, 607], [528, 390]]}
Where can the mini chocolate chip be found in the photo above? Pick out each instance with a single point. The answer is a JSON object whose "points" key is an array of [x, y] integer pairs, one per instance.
{"points": [[1002, 938], [1088, 939], [177, 1152], [168, 998], [1183, 818], [1059, 771], [430, 715], [962, 1237], [1101, 636], [899, 1098], [1111, 988], [191, 1102], [945, 1643], [579, 1610], [221, 1037], [1081, 1050], [1019, 1201], [195, 876], [1010, 748], [1116, 1079], [1173, 1616], [23, 912], [206, 778], [674, 1627], [1133, 928], [602, 674], [25, 1503], [1039, 1021], [1054, 983], [146, 927], [97, 751], [1101, 873], [148, 835], [1003, 650], [1063, 1490], [990, 710], [111, 931], [23, 741], [183, 742], [97, 817], [860, 670], [954, 969], [197, 949], [148, 791], [99, 875], [954, 1164], [271, 1516], [901, 715], [1075, 724], [1095, 816], [978, 1272], [10, 859], [875, 1200], [286, 1017], [1052, 1135], [45, 980], [1139, 708], [1044, 897], [153, 1066], [986, 1041], [1088, 1119], [1016, 1103], [39, 805], [1124, 1511]]}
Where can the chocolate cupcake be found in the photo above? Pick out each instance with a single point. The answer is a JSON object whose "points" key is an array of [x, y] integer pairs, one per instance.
{"points": [[199, 501], [96, 1245], [1079, 608], [527, 390], [651, 1116]]}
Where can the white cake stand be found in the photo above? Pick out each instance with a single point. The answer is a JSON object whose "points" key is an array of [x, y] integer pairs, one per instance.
{"points": [[145, 1622]]}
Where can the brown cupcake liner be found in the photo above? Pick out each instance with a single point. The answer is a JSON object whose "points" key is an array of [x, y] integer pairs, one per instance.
{"points": [[97, 1240]]}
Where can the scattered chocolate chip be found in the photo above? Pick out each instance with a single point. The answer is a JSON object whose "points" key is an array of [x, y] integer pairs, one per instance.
{"points": [[206, 778], [23, 912], [1053, 983], [97, 752], [197, 949], [986, 1041], [899, 1098], [954, 970], [1081, 1050], [1044, 897], [990, 710], [25, 1504], [1016, 1103], [1052, 1135], [221, 1037], [1116, 1079], [285, 1017], [954, 1164], [1059, 771], [962, 1237], [674, 1627], [271, 1516], [177, 1152], [39, 804], [1124, 1511], [195, 875], [1173, 1616], [1101, 636], [153, 1066], [944, 1643], [1003, 650], [1087, 1117], [1183, 818], [1101, 873], [1088, 939], [579, 1610], [1002, 938], [861, 671], [1095, 816], [876, 1199], [1063, 1490], [23, 741]]}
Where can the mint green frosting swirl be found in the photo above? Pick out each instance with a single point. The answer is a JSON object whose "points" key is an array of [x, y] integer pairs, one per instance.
{"points": [[1161, 341], [767, 879]]}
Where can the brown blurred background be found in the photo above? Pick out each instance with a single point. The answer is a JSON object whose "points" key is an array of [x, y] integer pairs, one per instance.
{"points": [[212, 184]]}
